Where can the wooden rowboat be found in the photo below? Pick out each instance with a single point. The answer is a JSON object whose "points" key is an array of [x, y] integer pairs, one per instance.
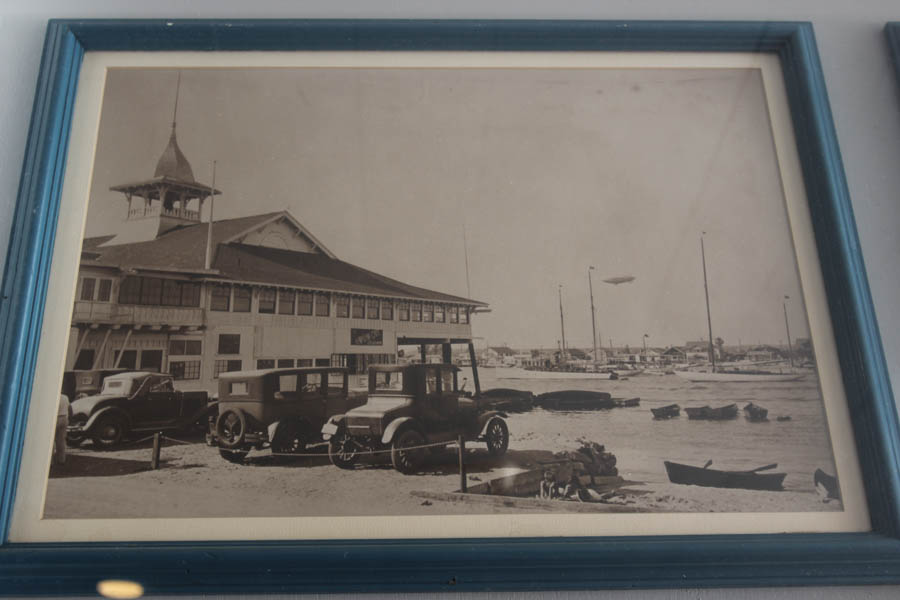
{"points": [[666, 412], [575, 400], [706, 477], [713, 414], [756, 413]]}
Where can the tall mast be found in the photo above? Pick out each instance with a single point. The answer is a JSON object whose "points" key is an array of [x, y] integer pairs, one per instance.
{"points": [[593, 312], [712, 354], [212, 195], [788, 329], [466, 254], [562, 326]]}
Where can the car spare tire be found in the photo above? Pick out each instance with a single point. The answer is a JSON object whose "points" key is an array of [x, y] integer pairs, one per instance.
{"points": [[231, 429]]}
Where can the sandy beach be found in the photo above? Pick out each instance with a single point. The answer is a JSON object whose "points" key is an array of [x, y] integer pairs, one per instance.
{"points": [[194, 481]]}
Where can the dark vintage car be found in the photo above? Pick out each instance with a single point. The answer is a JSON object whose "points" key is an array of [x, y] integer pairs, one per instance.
{"points": [[283, 409], [78, 384], [135, 402], [409, 409]]}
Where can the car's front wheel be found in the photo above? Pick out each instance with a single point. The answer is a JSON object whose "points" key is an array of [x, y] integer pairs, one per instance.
{"points": [[497, 437], [343, 450], [407, 454], [231, 428], [108, 431]]}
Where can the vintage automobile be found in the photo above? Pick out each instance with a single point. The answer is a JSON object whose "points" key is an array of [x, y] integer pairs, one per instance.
{"points": [[283, 409], [409, 409], [78, 384], [134, 402]]}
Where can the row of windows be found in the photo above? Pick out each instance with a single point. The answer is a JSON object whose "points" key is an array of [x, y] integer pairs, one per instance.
{"points": [[96, 290], [289, 363], [237, 298], [155, 291]]}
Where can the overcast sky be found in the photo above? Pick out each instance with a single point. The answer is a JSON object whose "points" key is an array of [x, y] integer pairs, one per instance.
{"points": [[548, 171]]}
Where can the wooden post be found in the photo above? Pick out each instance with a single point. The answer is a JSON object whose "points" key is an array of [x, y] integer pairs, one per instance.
{"points": [[154, 458], [474, 360], [423, 349], [461, 442], [447, 353]]}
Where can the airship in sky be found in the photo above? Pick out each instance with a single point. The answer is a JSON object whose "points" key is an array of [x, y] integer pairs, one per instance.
{"points": [[620, 279]]}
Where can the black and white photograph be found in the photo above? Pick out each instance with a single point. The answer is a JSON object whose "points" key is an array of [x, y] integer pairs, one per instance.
{"points": [[362, 292]]}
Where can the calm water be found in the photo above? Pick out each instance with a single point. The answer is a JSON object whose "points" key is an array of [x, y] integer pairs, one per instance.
{"points": [[640, 443]]}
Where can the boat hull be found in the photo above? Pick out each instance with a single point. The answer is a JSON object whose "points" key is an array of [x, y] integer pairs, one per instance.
{"points": [[507, 373], [575, 400], [689, 475], [722, 413], [736, 377]]}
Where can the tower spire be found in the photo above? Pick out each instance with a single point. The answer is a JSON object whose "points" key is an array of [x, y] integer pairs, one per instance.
{"points": [[175, 110]]}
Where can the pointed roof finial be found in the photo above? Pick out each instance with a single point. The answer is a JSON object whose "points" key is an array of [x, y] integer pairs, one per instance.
{"points": [[175, 111]]}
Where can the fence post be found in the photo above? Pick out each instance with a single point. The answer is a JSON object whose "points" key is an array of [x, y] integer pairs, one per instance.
{"points": [[461, 442], [154, 458]]}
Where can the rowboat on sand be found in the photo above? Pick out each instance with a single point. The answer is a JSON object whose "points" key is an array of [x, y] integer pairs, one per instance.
{"points": [[721, 413], [666, 412], [706, 477]]}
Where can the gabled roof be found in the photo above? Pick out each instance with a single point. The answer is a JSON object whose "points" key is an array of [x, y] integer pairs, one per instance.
{"points": [[183, 250], [274, 266]]}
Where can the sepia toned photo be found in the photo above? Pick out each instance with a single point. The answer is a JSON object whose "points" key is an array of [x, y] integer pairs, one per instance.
{"points": [[362, 292]]}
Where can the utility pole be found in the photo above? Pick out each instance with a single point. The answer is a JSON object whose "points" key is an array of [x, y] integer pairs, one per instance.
{"points": [[212, 195]]}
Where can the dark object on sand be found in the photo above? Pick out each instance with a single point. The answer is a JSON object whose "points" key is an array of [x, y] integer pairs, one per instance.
{"points": [[828, 483], [666, 412], [706, 477], [575, 400], [713, 414], [756, 413], [623, 402], [507, 399], [783, 418]]}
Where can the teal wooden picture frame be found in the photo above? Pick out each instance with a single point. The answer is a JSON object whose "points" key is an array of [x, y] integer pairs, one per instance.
{"points": [[456, 564]]}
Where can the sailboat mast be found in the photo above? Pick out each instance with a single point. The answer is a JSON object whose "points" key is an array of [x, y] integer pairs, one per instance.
{"points": [[466, 255], [593, 313], [788, 329], [562, 326], [712, 354]]}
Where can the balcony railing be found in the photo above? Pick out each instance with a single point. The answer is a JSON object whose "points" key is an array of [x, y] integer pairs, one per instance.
{"points": [[156, 210], [122, 314]]}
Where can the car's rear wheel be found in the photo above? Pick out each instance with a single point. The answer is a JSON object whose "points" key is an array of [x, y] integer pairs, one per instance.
{"points": [[290, 438], [231, 428], [233, 456], [406, 452], [497, 437], [108, 431], [343, 450]]}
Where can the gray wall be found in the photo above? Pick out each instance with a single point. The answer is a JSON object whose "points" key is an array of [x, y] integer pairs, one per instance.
{"points": [[863, 90]]}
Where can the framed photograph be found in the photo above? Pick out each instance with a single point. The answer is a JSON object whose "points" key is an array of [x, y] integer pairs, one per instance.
{"points": [[892, 33], [439, 305]]}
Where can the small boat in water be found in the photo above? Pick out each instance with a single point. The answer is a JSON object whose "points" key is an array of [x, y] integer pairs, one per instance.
{"points": [[575, 400], [723, 413], [666, 412], [756, 413], [706, 477]]}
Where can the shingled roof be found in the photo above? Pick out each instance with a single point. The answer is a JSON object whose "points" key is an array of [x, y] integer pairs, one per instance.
{"points": [[184, 249]]}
